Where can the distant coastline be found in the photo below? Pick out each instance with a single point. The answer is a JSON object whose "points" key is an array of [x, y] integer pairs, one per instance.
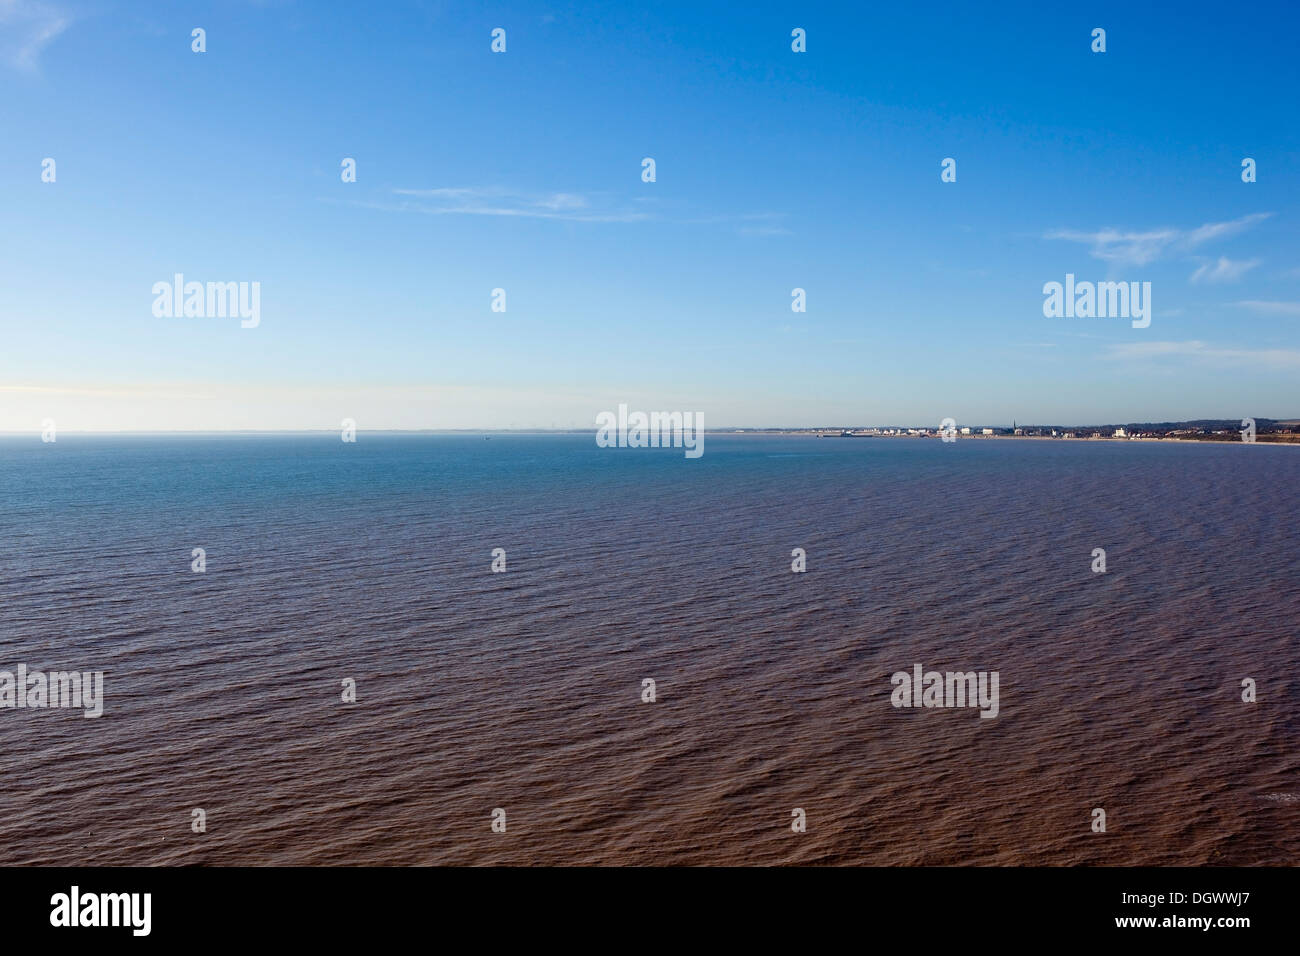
{"points": [[1263, 431], [1273, 438]]}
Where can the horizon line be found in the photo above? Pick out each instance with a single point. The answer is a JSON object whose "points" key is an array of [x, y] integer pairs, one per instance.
{"points": [[593, 428]]}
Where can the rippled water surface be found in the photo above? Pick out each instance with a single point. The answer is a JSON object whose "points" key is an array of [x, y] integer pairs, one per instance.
{"points": [[522, 690]]}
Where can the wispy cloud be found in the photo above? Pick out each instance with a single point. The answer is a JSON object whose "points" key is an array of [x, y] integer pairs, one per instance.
{"points": [[745, 224], [565, 206], [497, 201], [1112, 245], [26, 28], [1271, 308], [763, 231], [1140, 248], [1221, 230], [1200, 351], [1224, 270]]}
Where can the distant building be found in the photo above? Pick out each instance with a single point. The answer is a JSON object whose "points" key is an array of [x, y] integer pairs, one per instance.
{"points": [[1120, 433], [988, 431], [966, 430]]}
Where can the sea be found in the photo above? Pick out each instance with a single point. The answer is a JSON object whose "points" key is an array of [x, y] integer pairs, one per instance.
{"points": [[504, 717]]}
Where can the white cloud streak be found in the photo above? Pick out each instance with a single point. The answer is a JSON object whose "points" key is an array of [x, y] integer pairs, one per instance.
{"points": [[27, 27], [1271, 308], [1224, 270], [1141, 248], [1202, 352], [472, 201]]}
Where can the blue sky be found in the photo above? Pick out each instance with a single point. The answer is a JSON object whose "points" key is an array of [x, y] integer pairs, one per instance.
{"points": [[522, 171]]}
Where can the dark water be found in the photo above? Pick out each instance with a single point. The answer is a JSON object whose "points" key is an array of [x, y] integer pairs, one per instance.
{"points": [[522, 690]]}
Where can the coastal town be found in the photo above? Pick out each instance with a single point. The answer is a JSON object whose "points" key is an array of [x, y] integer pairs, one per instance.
{"points": [[1264, 430]]}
